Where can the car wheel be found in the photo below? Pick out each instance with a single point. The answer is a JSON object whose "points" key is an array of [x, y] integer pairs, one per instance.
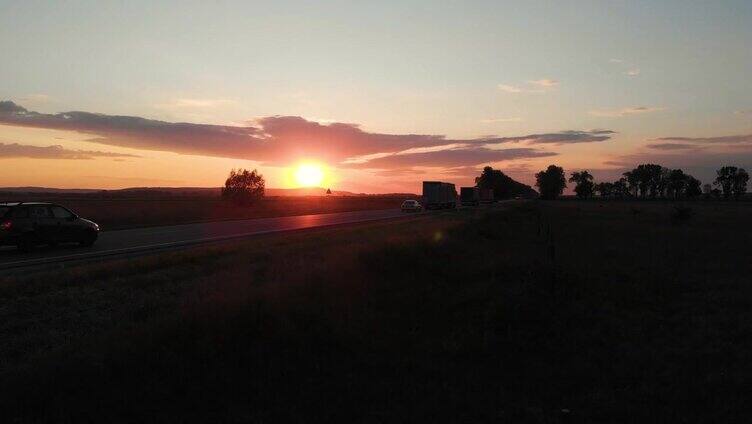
{"points": [[88, 240]]}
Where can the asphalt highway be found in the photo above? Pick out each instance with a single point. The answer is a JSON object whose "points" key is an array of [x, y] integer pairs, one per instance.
{"points": [[152, 239]]}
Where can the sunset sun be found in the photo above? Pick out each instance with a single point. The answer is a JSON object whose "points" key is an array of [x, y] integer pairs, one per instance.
{"points": [[308, 175]]}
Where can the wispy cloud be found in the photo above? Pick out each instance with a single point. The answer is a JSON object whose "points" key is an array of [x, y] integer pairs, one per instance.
{"points": [[194, 103], [36, 99], [15, 150], [509, 88], [617, 113], [544, 82], [726, 139], [672, 146], [273, 140], [135, 181], [628, 69], [500, 120], [478, 151], [465, 156], [743, 112], [280, 140], [562, 137], [530, 86]]}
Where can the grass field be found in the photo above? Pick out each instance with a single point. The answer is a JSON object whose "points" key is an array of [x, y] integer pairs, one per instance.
{"points": [[539, 312], [115, 214]]}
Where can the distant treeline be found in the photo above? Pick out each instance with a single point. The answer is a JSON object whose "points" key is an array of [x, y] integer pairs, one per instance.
{"points": [[646, 181]]}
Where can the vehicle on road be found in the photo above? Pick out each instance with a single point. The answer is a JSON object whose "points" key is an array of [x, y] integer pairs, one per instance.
{"points": [[29, 224], [470, 196], [411, 206], [439, 195]]}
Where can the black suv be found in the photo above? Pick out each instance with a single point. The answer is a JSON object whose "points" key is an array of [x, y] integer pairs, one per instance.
{"points": [[28, 224]]}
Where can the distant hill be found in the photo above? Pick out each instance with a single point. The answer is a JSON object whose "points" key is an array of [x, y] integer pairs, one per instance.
{"points": [[153, 192], [45, 190], [307, 191]]}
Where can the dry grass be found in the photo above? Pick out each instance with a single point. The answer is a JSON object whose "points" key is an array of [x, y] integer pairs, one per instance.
{"points": [[614, 312]]}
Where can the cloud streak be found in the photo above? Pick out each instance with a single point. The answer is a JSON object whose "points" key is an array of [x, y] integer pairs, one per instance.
{"points": [[727, 139], [509, 88], [672, 146], [500, 120], [531, 86], [546, 83], [275, 139], [458, 157], [280, 140], [15, 150], [628, 111]]}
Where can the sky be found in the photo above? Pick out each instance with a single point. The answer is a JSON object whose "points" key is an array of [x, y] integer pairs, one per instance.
{"points": [[379, 95]]}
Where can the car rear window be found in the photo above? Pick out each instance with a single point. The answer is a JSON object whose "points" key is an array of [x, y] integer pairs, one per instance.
{"points": [[41, 212], [19, 212]]}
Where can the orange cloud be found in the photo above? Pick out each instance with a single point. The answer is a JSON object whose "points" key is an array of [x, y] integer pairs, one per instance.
{"points": [[283, 139], [16, 150]]}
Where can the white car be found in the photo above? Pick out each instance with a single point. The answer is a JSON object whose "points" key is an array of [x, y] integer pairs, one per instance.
{"points": [[411, 206]]}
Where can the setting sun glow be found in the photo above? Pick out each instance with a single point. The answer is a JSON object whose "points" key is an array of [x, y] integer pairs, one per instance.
{"points": [[309, 175]]}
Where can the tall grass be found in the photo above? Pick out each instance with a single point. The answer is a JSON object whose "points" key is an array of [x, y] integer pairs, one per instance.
{"points": [[541, 313]]}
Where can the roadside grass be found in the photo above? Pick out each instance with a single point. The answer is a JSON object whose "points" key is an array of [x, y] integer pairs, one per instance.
{"points": [[544, 312]]}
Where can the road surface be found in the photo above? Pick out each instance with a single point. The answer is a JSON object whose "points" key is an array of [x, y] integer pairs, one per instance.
{"points": [[142, 240]]}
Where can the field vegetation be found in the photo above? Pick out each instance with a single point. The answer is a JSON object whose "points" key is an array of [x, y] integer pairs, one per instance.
{"points": [[533, 312]]}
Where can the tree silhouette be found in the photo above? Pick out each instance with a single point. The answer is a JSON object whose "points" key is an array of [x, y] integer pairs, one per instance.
{"points": [[632, 182], [732, 180], [621, 188], [551, 182], [503, 186], [725, 179], [584, 184], [605, 189], [648, 179], [693, 187], [244, 187], [677, 183], [739, 185], [651, 180]]}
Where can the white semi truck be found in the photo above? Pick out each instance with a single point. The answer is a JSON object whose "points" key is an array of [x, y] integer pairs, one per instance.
{"points": [[439, 195]]}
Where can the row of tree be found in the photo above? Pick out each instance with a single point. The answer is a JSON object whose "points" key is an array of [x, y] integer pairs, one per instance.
{"points": [[645, 181], [245, 187]]}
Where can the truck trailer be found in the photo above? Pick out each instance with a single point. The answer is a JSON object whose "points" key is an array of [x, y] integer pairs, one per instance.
{"points": [[439, 195], [470, 196]]}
